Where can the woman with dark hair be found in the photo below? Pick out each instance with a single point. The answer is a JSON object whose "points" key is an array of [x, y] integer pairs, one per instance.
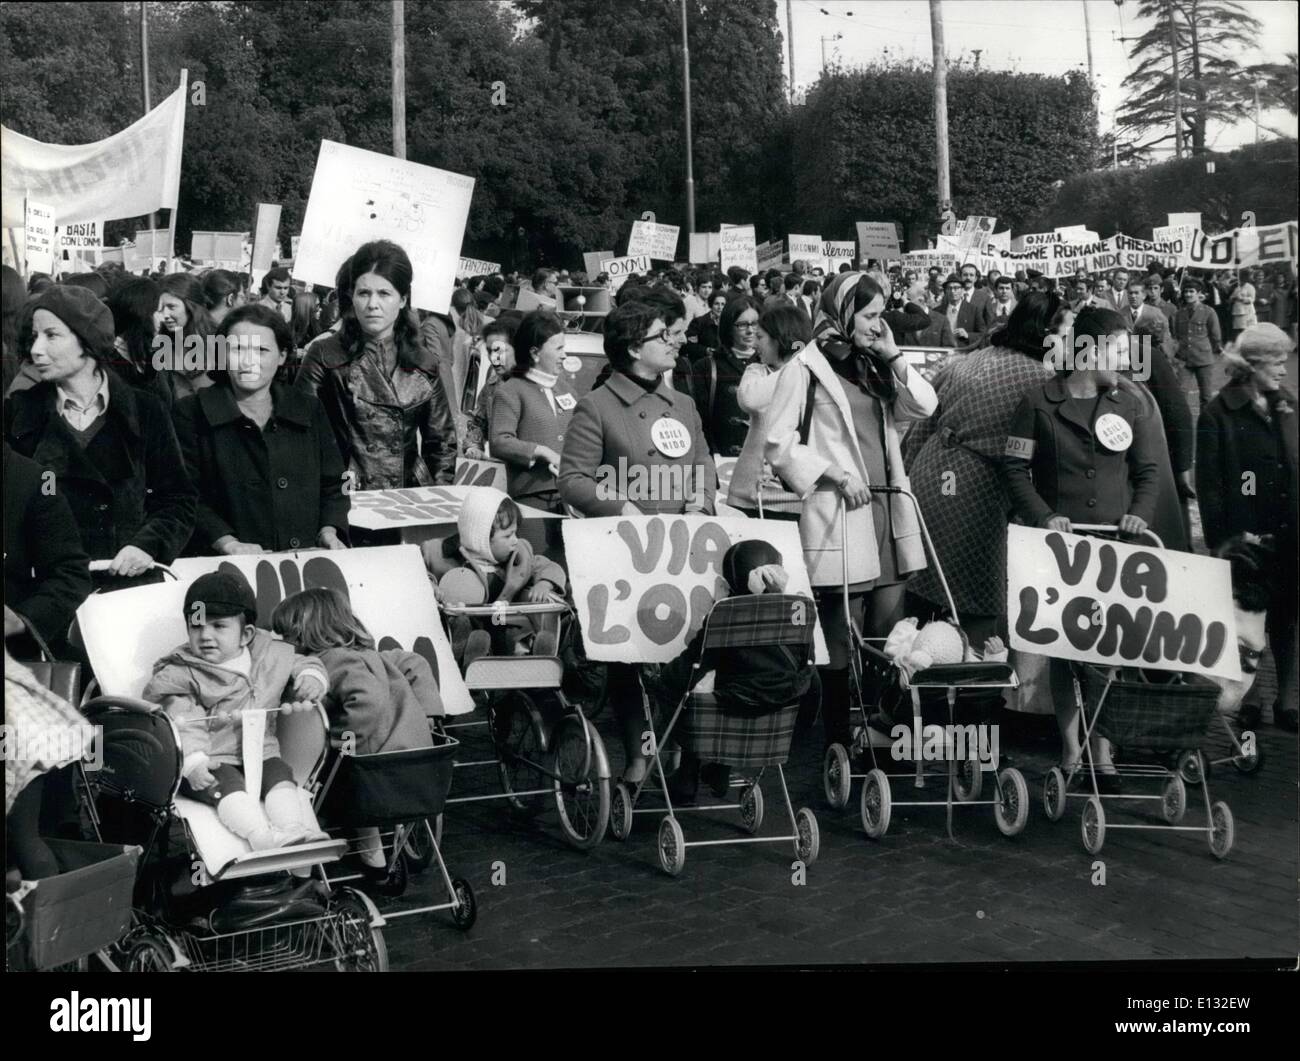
{"points": [[389, 411], [182, 317], [963, 443], [832, 433], [262, 454], [498, 348], [716, 376], [1084, 447], [531, 412], [636, 447], [111, 447], [134, 305], [222, 292]]}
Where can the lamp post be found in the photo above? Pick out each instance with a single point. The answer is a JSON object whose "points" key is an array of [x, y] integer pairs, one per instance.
{"points": [[686, 85]]}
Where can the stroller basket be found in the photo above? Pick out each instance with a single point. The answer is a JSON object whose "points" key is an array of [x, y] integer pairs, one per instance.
{"points": [[83, 909], [391, 786], [296, 945], [1157, 716]]}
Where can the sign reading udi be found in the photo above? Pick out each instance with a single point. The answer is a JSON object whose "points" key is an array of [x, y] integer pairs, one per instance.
{"points": [[649, 581], [1114, 604]]}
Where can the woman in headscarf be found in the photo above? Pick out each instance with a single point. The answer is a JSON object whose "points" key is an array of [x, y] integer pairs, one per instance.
{"points": [[832, 434]]}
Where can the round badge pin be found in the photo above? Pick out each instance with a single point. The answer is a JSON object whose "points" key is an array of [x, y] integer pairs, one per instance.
{"points": [[670, 437], [1114, 432], [571, 364]]}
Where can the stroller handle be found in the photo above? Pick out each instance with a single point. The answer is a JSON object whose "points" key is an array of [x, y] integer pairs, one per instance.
{"points": [[1113, 528], [486, 611], [98, 566]]}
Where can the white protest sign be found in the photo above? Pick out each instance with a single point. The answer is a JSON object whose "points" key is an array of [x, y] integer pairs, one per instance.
{"points": [[999, 241], [770, 254], [657, 241], [419, 506], [475, 267], [294, 243], [217, 247], [974, 231], [1115, 604], [265, 231], [38, 231], [807, 249], [591, 261], [1073, 233], [705, 247], [649, 581], [472, 472], [924, 261], [358, 196], [837, 251], [386, 586], [738, 245], [620, 269], [1190, 220], [80, 235], [1030, 240], [877, 239]]}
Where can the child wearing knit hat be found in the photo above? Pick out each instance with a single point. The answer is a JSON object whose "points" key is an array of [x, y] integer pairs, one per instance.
{"points": [[487, 563], [223, 687]]}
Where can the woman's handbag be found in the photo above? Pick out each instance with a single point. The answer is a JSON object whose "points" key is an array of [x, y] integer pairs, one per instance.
{"points": [[61, 678]]}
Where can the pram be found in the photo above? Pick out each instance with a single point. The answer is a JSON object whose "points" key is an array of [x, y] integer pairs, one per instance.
{"points": [[1159, 723], [749, 744], [536, 754], [965, 766]]}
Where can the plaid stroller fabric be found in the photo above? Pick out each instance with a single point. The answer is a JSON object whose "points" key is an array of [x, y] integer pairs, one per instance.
{"points": [[747, 622], [1138, 714]]}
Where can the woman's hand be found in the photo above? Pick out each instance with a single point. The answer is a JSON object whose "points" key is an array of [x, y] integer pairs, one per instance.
{"points": [[883, 345], [552, 459], [1131, 524], [1059, 523], [854, 491], [235, 547], [329, 538], [130, 561]]}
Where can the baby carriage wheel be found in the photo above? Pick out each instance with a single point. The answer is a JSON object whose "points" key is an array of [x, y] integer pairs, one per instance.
{"points": [[149, 953], [466, 913], [1222, 831], [969, 781], [1190, 766], [620, 814], [521, 747], [1011, 811], [1173, 803], [420, 841], [360, 946], [751, 808], [875, 804], [672, 847], [581, 795], [809, 844], [1094, 825], [1054, 786], [837, 778]]}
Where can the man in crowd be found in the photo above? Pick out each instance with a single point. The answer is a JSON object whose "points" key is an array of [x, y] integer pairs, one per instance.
{"points": [[703, 289], [1116, 294], [1145, 319], [939, 331], [1199, 338], [978, 297], [758, 286], [1153, 286], [544, 283], [275, 292], [1004, 300], [738, 278], [967, 328], [1083, 295]]}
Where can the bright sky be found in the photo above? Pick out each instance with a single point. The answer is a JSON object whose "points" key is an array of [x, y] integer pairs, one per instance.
{"points": [[1031, 36]]}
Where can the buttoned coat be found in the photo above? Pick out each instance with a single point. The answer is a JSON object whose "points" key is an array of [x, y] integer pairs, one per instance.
{"points": [[1055, 465], [128, 486], [276, 486], [522, 420], [1199, 337], [610, 436], [833, 443]]}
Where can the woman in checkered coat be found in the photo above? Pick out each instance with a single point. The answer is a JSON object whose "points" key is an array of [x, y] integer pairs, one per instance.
{"points": [[952, 459]]}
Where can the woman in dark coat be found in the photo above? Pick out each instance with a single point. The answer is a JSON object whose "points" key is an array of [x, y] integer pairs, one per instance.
{"points": [[1246, 459], [715, 377], [385, 400], [263, 455], [111, 448]]}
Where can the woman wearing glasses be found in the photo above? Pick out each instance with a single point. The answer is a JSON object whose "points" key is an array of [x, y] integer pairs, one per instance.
{"points": [[716, 376], [636, 447]]}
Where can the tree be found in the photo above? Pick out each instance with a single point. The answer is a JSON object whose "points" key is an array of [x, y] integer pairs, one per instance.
{"points": [[1213, 87]]}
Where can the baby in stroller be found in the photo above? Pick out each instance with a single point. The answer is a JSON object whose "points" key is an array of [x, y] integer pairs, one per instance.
{"points": [[487, 562], [229, 666], [746, 682], [377, 701]]}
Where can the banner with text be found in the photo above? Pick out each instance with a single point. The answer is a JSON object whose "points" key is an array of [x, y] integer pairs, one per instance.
{"points": [[877, 239], [738, 245], [838, 251], [649, 582], [620, 269], [466, 267], [38, 231], [419, 506], [808, 249], [1111, 603]]}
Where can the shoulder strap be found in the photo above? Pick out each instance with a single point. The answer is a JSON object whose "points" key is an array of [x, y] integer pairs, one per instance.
{"points": [[805, 422]]}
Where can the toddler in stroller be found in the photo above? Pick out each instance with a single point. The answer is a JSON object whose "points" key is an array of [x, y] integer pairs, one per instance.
{"points": [[223, 688]]}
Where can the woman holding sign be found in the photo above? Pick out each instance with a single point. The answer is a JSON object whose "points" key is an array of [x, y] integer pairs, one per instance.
{"points": [[387, 406], [832, 432], [636, 447], [1084, 447]]}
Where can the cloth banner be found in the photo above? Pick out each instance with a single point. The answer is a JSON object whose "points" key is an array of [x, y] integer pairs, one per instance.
{"points": [[468, 267], [132, 173], [649, 581], [1115, 604], [473, 472], [420, 506]]}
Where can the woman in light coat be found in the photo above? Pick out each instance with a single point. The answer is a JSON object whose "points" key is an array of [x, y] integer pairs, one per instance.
{"points": [[832, 433]]}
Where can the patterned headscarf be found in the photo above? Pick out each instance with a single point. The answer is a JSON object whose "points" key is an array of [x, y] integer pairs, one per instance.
{"points": [[833, 333]]}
